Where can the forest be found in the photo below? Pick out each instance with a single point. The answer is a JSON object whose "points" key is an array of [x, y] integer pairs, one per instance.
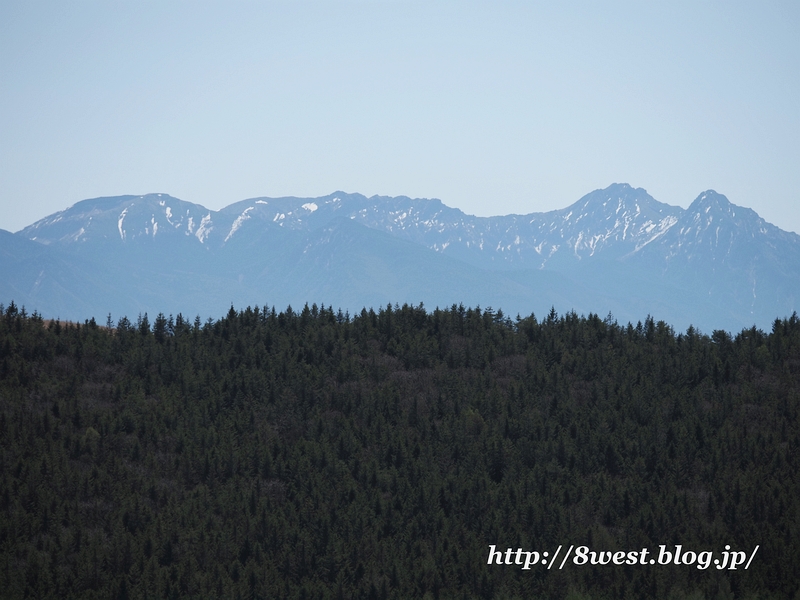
{"points": [[315, 454]]}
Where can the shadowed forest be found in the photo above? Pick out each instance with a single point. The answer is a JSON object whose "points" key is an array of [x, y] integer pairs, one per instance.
{"points": [[316, 454]]}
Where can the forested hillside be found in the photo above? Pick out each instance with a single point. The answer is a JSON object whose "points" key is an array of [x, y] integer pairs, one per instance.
{"points": [[313, 454]]}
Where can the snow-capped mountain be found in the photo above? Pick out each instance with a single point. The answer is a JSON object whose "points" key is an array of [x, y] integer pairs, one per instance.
{"points": [[714, 234], [128, 219], [612, 222], [731, 255], [617, 249]]}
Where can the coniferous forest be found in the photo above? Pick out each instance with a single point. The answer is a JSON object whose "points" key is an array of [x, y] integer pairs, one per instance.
{"points": [[315, 454]]}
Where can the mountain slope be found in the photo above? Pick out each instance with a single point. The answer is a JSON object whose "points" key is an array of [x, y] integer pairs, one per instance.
{"points": [[54, 283]]}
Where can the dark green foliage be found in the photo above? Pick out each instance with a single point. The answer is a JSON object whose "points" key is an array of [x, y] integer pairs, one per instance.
{"points": [[312, 455]]}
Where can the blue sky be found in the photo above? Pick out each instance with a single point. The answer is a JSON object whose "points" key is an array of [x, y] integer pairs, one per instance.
{"points": [[493, 107]]}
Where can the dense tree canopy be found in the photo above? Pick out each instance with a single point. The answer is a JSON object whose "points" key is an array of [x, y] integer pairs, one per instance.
{"points": [[315, 454]]}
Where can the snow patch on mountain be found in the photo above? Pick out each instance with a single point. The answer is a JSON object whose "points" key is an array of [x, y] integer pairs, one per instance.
{"points": [[205, 228], [119, 224], [238, 222]]}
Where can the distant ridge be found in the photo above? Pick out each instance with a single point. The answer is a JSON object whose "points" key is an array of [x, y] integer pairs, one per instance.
{"points": [[713, 265]]}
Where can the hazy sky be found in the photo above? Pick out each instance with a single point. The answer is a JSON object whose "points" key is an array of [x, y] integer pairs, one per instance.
{"points": [[493, 107]]}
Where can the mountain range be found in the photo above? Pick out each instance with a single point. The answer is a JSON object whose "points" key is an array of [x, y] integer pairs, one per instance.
{"points": [[713, 265]]}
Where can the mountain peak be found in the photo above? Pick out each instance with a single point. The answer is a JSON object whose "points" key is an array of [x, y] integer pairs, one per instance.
{"points": [[711, 198], [711, 206], [615, 199]]}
